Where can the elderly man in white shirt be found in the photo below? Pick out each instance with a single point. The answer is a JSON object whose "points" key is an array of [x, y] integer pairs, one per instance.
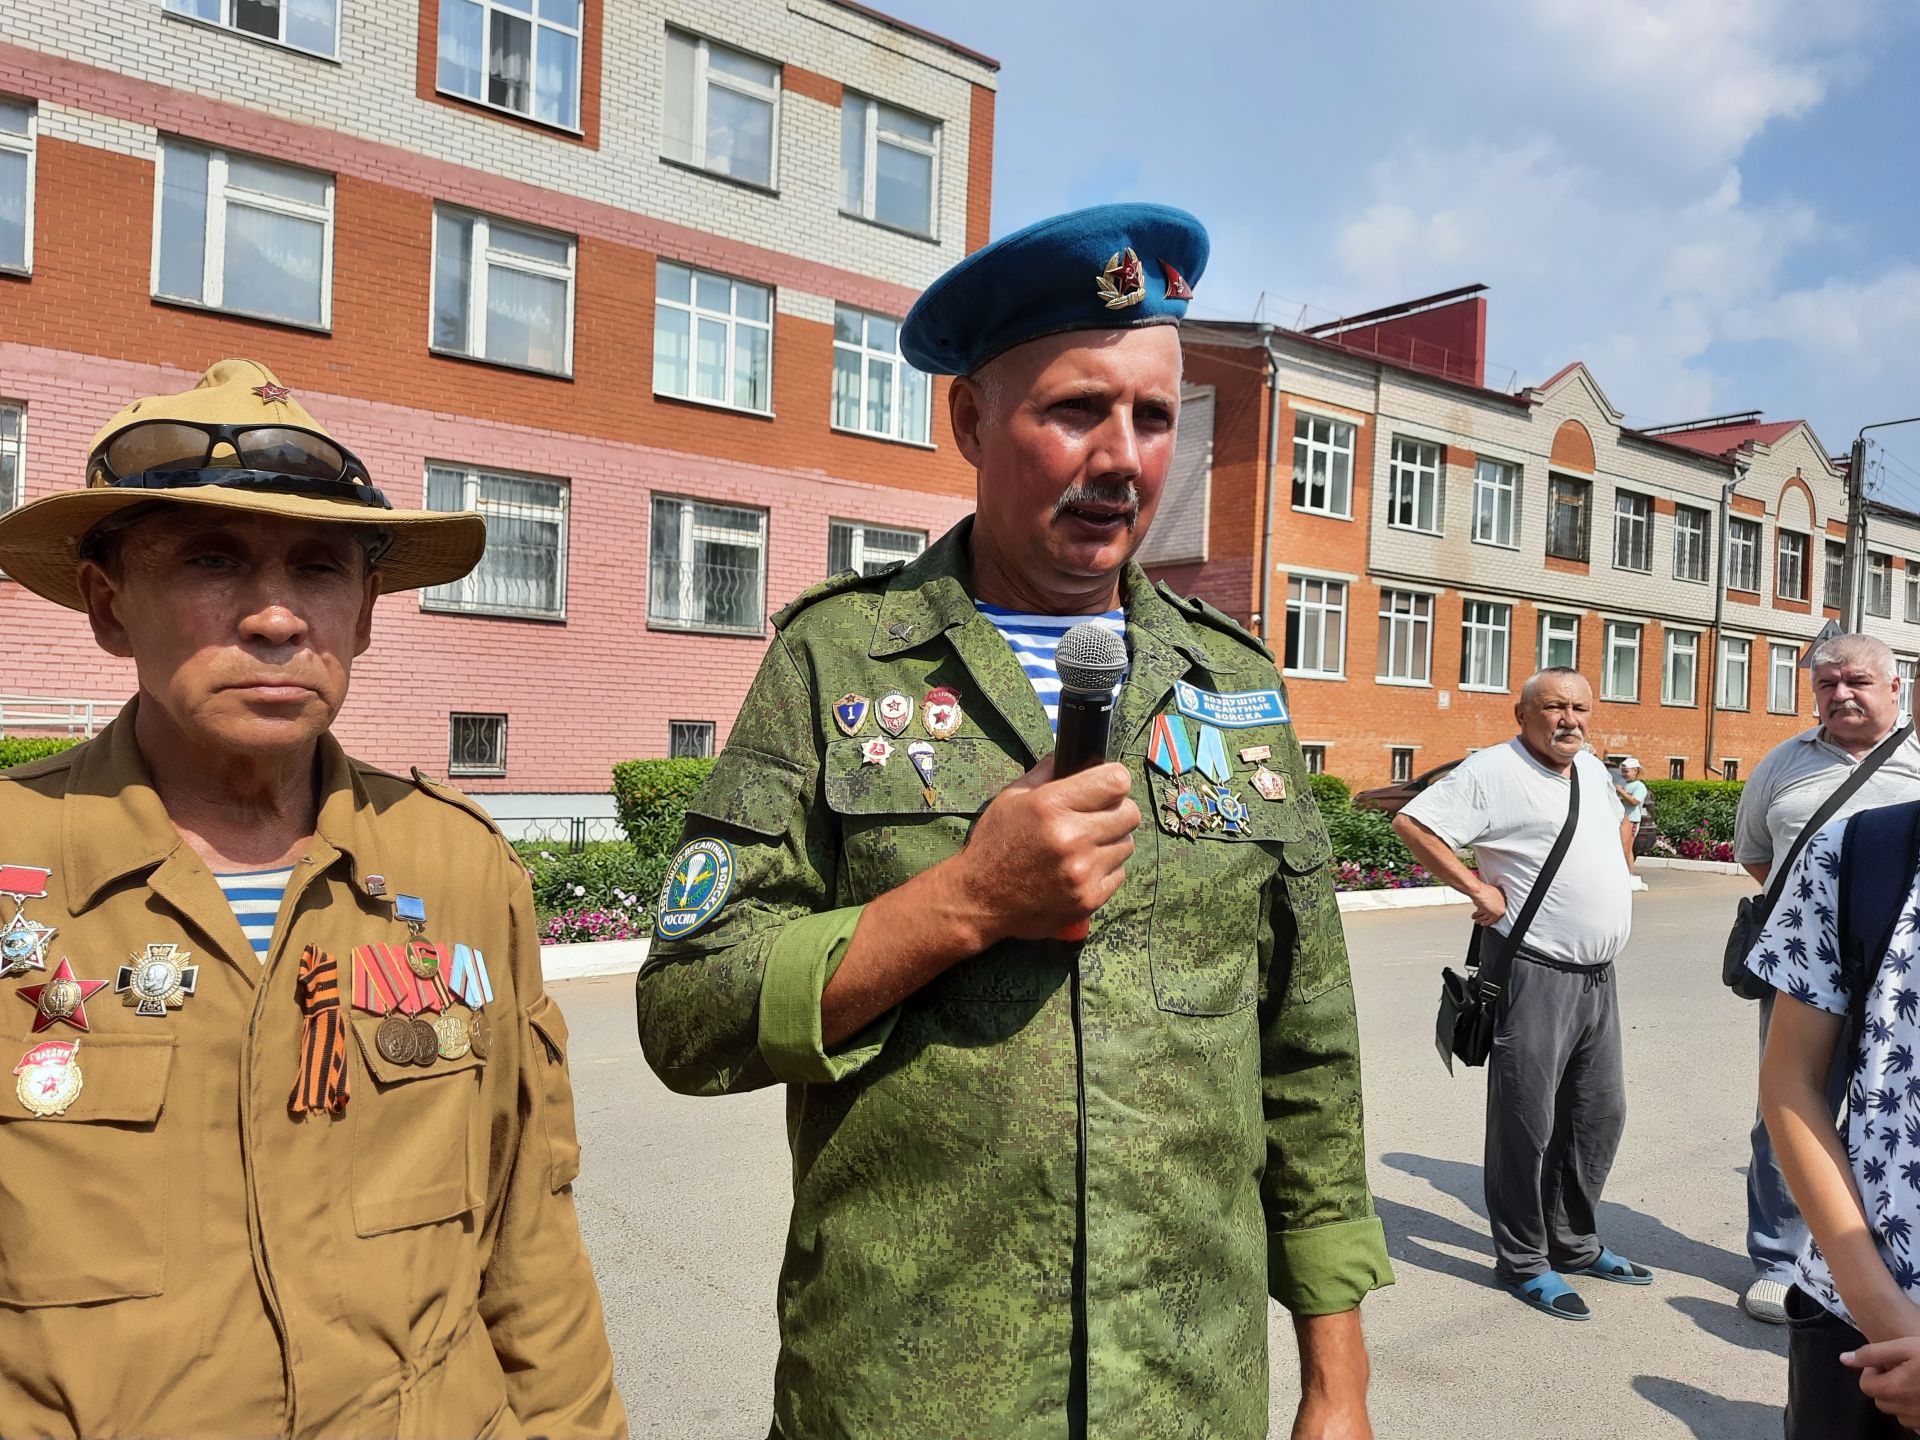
{"points": [[1556, 1092]]}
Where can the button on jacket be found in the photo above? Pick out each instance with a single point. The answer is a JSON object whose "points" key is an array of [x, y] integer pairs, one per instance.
{"points": [[1056, 1170], [182, 1256]]}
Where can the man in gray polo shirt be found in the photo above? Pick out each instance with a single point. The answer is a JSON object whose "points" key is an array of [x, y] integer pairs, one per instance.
{"points": [[1856, 692]]}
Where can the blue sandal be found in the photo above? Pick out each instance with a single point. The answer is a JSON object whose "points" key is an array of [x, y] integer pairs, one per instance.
{"points": [[1551, 1295], [1621, 1271]]}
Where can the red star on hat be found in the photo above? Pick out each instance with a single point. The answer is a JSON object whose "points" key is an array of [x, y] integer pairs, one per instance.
{"points": [[45, 1018], [272, 394], [1177, 287]]}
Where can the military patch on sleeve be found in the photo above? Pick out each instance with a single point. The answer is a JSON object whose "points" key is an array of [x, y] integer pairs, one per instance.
{"points": [[697, 885]]}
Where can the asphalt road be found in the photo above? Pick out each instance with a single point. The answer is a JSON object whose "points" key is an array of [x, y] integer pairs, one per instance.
{"points": [[684, 1204]]}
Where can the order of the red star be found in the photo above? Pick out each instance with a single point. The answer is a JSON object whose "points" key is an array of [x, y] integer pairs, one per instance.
{"points": [[77, 1018]]}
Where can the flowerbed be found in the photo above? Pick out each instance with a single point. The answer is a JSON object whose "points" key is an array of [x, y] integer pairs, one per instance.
{"points": [[1350, 876], [601, 892]]}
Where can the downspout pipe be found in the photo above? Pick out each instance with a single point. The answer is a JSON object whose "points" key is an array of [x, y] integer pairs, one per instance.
{"points": [[1719, 610], [1273, 465]]}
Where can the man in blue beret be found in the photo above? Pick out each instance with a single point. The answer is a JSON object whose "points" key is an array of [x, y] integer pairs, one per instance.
{"points": [[1042, 1187]]}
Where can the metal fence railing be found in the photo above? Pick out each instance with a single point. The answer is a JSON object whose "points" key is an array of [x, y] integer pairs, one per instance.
{"points": [[64, 716], [571, 833]]}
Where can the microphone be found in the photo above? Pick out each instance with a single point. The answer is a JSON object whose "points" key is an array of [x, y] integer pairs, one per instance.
{"points": [[1091, 659]]}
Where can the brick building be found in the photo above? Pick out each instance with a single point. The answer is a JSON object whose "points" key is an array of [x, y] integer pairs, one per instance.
{"points": [[1417, 543], [626, 277]]}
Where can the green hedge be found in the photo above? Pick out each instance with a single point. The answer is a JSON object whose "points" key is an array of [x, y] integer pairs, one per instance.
{"points": [[651, 798], [19, 749], [1330, 792], [1680, 807]]}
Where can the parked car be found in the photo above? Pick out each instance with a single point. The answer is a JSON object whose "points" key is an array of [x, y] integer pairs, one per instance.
{"points": [[1389, 798]]}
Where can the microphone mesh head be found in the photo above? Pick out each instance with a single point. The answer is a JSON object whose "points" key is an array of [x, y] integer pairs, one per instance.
{"points": [[1091, 658]]}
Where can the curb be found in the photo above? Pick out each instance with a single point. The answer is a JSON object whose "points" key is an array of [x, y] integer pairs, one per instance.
{"points": [[597, 957], [1712, 867], [1422, 896]]}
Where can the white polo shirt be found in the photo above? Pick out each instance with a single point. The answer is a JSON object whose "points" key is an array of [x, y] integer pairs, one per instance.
{"points": [[1509, 808], [1795, 779]]}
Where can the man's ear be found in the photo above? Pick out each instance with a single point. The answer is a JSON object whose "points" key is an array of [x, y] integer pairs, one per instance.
{"points": [[363, 632], [966, 408], [102, 596]]}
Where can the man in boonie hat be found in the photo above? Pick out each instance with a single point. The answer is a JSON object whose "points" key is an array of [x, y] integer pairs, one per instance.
{"points": [[1042, 1185], [287, 1091]]}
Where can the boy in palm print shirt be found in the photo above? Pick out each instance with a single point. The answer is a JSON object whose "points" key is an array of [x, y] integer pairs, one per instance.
{"points": [[1853, 1360]]}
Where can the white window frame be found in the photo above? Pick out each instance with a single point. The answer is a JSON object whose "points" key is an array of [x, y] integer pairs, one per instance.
{"points": [[1415, 619], [1314, 757], [1790, 655], [1399, 759], [1744, 537], [1833, 577], [857, 543], [866, 354], [1502, 483], [228, 22], [734, 322], [1782, 568], [1722, 670], [1913, 591], [705, 76], [1625, 520], [456, 597], [1482, 624], [1681, 643], [1879, 583], [1332, 601], [483, 259], [1405, 477], [1551, 620], [1692, 538], [1622, 635], [490, 8], [1908, 669], [1306, 447], [19, 447], [870, 163], [454, 767], [214, 266], [29, 146], [688, 536]]}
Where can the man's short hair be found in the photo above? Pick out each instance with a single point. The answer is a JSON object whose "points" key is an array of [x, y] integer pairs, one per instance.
{"points": [[1532, 685], [1855, 649]]}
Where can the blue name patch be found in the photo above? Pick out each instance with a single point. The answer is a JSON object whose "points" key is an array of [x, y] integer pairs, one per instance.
{"points": [[1238, 710], [696, 888]]}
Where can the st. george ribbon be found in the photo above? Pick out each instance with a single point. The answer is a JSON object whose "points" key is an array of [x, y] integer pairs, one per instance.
{"points": [[1091, 660]]}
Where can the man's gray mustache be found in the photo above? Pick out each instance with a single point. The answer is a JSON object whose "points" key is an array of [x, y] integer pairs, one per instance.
{"points": [[1127, 495]]}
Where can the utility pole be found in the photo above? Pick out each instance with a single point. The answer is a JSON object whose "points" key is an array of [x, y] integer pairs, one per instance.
{"points": [[1854, 563], [1740, 469]]}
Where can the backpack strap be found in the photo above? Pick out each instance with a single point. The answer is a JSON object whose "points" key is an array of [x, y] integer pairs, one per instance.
{"points": [[1879, 852]]}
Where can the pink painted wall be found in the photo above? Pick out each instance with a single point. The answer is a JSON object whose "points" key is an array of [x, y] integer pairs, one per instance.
{"points": [[579, 695]]}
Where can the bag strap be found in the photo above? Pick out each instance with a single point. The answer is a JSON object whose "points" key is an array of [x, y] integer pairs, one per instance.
{"points": [[1879, 851], [1493, 978], [1862, 773]]}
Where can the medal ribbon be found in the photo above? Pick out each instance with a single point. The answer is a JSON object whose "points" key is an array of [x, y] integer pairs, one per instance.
{"points": [[373, 989], [321, 1084], [390, 964]]}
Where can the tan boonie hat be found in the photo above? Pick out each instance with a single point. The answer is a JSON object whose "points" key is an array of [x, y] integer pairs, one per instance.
{"points": [[237, 441]]}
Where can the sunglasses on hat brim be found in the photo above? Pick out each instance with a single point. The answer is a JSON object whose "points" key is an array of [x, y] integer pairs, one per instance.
{"points": [[168, 454]]}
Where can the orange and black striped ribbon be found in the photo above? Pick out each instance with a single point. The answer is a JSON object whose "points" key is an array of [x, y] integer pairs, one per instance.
{"points": [[321, 1085]]}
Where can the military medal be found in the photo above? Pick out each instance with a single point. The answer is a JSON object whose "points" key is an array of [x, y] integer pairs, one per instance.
{"points": [[1168, 749], [157, 981], [480, 1034], [23, 942], [1230, 809], [50, 1077], [1186, 812], [1177, 286], [62, 999], [1254, 754], [376, 886], [1123, 282], [468, 978], [1211, 758], [1271, 784], [395, 1040], [895, 712], [850, 713], [940, 712], [921, 754], [426, 1042], [876, 752], [451, 1028]]}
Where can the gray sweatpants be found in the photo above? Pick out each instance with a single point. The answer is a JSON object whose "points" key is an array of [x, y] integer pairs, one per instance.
{"points": [[1556, 1104]]}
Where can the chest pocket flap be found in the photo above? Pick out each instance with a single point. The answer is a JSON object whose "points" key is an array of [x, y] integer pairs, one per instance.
{"points": [[967, 774]]}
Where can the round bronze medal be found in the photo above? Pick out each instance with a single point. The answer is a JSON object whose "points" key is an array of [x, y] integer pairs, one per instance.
{"points": [[452, 1030], [426, 1042], [395, 1041], [480, 1033], [422, 962]]}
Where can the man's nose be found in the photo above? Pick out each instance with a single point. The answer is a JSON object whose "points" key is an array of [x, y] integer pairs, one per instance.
{"points": [[1119, 451]]}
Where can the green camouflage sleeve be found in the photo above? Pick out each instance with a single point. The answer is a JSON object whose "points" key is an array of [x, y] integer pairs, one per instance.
{"points": [[1325, 1246], [732, 1001]]}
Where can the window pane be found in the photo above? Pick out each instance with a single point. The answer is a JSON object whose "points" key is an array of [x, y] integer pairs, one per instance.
{"points": [[462, 42], [846, 388], [452, 267], [846, 325], [557, 83], [664, 568], [553, 249], [13, 208], [712, 292], [839, 547], [273, 264], [916, 401], [672, 362], [752, 368], [301, 186], [526, 318], [14, 115], [710, 360], [310, 25], [257, 17], [853, 153], [676, 116], [903, 188], [899, 122], [561, 12], [743, 67], [883, 334], [751, 302], [673, 282], [199, 9], [879, 395], [510, 62], [183, 222], [739, 135]]}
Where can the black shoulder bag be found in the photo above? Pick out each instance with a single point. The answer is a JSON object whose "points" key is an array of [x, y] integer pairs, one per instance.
{"points": [[1751, 918], [1469, 1004]]}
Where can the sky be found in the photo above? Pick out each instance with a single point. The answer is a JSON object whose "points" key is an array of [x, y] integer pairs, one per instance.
{"points": [[1714, 203]]}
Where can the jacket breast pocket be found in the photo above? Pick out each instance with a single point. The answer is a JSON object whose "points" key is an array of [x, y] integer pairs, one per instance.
{"points": [[84, 1212], [416, 1157], [1203, 940]]}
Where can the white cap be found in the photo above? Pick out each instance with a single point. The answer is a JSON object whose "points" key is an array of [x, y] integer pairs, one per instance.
{"points": [[1632, 762]]}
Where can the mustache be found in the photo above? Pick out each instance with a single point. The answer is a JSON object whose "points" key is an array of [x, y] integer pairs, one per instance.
{"points": [[1846, 707], [1127, 494]]}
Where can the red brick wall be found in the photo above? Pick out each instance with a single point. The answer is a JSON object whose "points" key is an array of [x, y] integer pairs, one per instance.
{"points": [[980, 168]]}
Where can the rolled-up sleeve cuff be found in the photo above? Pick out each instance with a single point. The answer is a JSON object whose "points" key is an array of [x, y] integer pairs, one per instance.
{"points": [[799, 963], [1328, 1268]]}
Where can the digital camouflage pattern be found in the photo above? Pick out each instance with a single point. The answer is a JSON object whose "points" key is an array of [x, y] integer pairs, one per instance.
{"points": [[1182, 1108]]}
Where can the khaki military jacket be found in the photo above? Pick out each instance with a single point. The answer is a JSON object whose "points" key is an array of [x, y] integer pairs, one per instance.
{"points": [[181, 1256], [1050, 1194]]}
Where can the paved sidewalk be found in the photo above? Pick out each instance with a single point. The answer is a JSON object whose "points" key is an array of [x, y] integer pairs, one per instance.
{"points": [[684, 1204]]}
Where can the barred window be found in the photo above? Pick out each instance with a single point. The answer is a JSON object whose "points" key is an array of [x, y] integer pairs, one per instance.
{"points": [[1401, 759], [690, 739], [1790, 568], [1632, 531], [523, 570], [1567, 506], [477, 745], [1743, 554], [1690, 529], [708, 567], [1315, 757]]}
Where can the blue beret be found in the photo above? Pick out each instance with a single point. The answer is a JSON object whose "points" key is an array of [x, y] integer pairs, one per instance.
{"points": [[1106, 268]]}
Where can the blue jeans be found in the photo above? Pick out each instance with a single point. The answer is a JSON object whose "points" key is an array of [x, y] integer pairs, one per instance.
{"points": [[1775, 1232]]}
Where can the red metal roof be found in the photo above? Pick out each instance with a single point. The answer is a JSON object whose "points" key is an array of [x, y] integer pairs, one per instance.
{"points": [[1725, 439]]}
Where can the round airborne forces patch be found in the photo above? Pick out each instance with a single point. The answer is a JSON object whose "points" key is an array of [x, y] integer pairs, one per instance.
{"points": [[696, 888]]}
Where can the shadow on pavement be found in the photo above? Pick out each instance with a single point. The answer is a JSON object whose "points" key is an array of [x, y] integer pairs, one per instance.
{"points": [[1412, 1233], [1726, 1322], [1706, 1415]]}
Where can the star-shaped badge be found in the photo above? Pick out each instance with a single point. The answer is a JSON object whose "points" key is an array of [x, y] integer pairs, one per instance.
{"points": [[61, 999], [23, 945], [272, 394]]}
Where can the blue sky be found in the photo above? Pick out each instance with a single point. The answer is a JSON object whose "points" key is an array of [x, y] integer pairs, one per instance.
{"points": [[1711, 202]]}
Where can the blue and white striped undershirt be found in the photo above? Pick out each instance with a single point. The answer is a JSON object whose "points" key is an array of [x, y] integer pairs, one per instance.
{"points": [[255, 896], [1035, 639]]}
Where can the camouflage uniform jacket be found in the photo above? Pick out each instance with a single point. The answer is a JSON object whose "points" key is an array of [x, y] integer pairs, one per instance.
{"points": [[1049, 1195]]}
